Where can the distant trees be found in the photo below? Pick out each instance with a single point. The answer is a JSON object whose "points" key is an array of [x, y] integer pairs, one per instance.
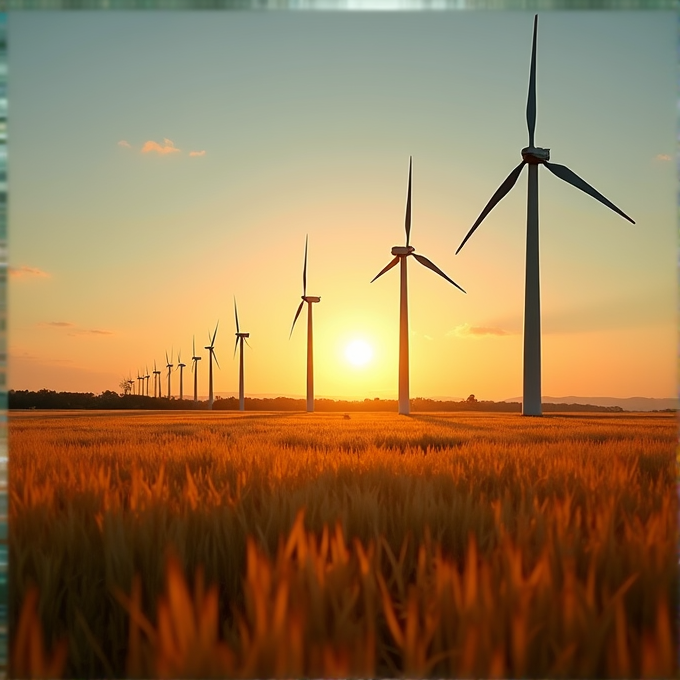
{"points": [[126, 386]]}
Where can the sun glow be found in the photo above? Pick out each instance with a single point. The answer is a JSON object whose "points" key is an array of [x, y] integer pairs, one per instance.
{"points": [[358, 352]]}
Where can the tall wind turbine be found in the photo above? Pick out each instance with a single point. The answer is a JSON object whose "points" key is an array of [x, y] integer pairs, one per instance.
{"points": [[140, 380], [401, 253], [156, 381], [169, 366], [180, 367], [194, 369], [146, 377], [211, 354], [240, 337], [533, 157], [309, 299]]}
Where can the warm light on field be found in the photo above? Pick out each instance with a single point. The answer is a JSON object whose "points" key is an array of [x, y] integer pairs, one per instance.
{"points": [[358, 352]]}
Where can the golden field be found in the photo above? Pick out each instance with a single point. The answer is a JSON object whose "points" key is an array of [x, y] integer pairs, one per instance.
{"points": [[196, 544]]}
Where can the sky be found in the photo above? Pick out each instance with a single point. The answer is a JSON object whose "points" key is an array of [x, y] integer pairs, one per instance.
{"points": [[161, 163]]}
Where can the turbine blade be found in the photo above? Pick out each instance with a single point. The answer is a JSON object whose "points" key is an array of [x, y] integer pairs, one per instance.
{"points": [[299, 309], [572, 178], [235, 347], [212, 342], [502, 190], [236, 314], [215, 356], [167, 361], [407, 222], [193, 363], [304, 270], [193, 345], [386, 269], [247, 343], [531, 98], [431, 265]]}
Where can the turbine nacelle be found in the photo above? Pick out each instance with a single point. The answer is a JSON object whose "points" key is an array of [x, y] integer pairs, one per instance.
{"points": [[242, 335], [311, 298], [402, 250], [535, 155]]}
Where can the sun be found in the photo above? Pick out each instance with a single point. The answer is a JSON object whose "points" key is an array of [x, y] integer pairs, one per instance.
{"points": [[358, 352]]}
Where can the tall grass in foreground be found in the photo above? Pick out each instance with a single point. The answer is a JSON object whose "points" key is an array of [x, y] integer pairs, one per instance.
{"points": [[435, 545]]}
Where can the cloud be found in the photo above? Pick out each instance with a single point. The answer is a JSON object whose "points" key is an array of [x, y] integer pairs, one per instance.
{"points": [[197, 153], [26, 272], [124, 143], [57, 324], [465, 330], [663, 157], [74, 329], [96, 331], [168, 147]]}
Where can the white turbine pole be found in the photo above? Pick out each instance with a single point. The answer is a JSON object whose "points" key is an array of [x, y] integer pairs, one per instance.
{"points": [[531, 401], [241, 390], [210, 382], [310, 360], [404, 406]]}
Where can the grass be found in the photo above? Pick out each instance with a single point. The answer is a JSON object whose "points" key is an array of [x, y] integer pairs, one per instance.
{"points": [[173, 544]]}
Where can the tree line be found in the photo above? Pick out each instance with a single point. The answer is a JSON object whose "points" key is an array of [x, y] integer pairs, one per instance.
{"points": [[49, 399]]}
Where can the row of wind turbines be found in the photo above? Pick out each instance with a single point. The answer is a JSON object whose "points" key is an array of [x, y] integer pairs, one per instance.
{"points": [[532, 156]]}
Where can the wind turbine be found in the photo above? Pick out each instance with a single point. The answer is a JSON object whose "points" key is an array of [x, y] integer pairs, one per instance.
{"points": [[169, 366], [146, 377], [194, 370], [211, 349], [240, 337], [533, 157], [401, 253], [156, 381], [140, 380], [309, 299], [180, 366]]}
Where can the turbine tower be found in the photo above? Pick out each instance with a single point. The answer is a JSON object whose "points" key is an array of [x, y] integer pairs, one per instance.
{"points": [[533, 157], [309, 299], [156, 381], [211, 350], [180, 367], [146, 377], [169, 365], [240, 337], [401, 253], [194, 370], [140, 380]]}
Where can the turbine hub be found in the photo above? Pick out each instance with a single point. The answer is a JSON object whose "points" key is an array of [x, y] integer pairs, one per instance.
{"points": [[402, 250], [311, 298], [534, 155]]}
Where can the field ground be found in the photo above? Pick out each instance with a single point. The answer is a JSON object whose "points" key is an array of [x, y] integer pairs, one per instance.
{"points": [[451, 544]]}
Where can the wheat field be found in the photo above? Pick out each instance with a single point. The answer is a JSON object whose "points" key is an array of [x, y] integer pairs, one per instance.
{"points": [[198, 544]]}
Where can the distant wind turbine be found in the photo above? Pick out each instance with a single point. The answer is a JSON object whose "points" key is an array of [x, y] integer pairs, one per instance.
{"points": [[533, 157], [194, 369], [211, 355], [156, 381], [240, 337], [180, 367], [401, 254], [140, 380], [146, 377], [169, 366], [309, 299]]}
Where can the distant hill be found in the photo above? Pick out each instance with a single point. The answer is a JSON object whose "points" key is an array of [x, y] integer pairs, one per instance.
{"points": [[627, 404]]}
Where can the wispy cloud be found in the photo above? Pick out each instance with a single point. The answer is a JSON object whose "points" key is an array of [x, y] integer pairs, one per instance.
{"points": [[663, 157], [197, 153], [96, 331], [57, 324], [124, 143], [465, 330], [27, 272], [73, 328], [167, 147]]}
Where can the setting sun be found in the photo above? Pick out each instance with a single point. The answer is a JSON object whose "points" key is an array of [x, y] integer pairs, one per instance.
{"points": [[359, 352]]}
